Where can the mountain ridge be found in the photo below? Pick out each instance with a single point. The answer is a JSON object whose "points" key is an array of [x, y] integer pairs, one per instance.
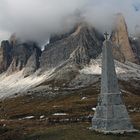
{"points": [[66, 60]]}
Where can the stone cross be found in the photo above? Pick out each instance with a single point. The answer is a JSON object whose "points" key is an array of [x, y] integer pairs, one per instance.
{"points": [[106, 35]]}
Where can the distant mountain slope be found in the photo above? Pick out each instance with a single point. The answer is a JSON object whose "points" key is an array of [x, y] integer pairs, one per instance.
{"points": [[70, 61], [68, 77]]}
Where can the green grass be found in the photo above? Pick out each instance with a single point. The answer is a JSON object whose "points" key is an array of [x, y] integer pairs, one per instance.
{"points": [[71, 103], [31, 130], [27, 105], [77, 132]]}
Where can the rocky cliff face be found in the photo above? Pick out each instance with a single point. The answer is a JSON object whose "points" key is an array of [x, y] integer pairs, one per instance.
{"points": [[135, 43], [121, 40], [5, 55], [33, 62], [78, 47], [20, 56], [15, 55]]}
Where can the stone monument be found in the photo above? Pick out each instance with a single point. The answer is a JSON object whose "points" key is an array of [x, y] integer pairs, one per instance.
{"points": [[111, 115]]}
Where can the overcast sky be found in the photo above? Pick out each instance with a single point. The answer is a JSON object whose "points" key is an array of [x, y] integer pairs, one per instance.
{"points": [[37, 19]]}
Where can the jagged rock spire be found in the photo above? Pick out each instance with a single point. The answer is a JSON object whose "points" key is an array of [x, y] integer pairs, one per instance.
{"points": [[120, 38]]}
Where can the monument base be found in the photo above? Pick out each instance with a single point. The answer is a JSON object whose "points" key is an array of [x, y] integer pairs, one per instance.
{"points": [[115, 131], [112, 119]]}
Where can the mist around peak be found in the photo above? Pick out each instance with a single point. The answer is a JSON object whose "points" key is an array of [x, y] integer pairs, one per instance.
{"points": [[38, 19]]}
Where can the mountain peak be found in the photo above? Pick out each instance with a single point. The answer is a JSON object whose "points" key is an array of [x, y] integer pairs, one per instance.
{"points": [[81, 41], [120, 38]]}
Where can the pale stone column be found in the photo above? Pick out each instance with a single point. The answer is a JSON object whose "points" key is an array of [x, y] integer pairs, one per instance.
{"points": [[111, 115]]}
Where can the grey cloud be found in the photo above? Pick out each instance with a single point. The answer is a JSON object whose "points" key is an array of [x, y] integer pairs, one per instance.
{"points": [[37, 19]]}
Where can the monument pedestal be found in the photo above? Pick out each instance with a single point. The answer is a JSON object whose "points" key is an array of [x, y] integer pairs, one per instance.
{"points": [[111, 115]]}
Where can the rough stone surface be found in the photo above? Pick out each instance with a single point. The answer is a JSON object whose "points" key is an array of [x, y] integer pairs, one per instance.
{"points": [[5, 55], [20, 55], [135, 43], [120, 38], [78, 47], [32, 63], [117, 54], [111, 114]]}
